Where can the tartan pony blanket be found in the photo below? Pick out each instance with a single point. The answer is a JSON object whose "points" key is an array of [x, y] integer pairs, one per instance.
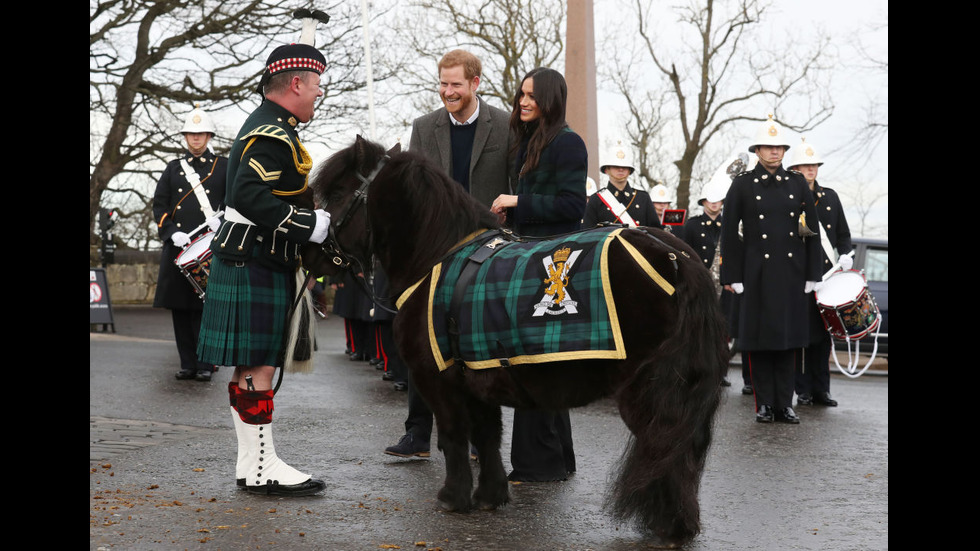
{"points": [[496, 302]]}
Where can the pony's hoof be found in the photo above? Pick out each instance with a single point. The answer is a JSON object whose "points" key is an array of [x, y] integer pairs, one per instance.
{"points": [[454, 503], [661, 543], [488, 501]]}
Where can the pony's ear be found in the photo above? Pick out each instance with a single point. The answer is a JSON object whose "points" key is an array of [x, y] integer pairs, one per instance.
{"points": [[360, 147], [395, 148]]}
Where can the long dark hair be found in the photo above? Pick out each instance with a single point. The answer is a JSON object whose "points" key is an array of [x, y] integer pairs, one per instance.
{"points": [[551, 94]]}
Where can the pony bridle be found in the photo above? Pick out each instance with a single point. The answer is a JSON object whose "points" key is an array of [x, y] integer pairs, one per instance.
{"points": [[330, 245]]}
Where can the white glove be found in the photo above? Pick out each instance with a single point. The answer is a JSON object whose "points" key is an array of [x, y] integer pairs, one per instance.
{"points": [[322, 227], [818, 286], [846, 261], [808, 286], [180, 238], [738, 288], [213, 223]]}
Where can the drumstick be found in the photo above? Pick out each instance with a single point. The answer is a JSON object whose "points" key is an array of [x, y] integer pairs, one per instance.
{"points": [[836, 266], [205, 224]]}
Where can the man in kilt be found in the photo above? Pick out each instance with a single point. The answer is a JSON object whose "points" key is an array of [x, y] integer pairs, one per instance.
{"points": [[253, 280]]}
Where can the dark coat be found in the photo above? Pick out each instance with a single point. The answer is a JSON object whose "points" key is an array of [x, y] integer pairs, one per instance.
{"points": [[637, 202], [770, 258], [176, 208], [551, 198], [490, 173], [350, 301]]}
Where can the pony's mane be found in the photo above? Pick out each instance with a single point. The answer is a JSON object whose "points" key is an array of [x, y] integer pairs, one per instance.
{"points": [[440, 204]]}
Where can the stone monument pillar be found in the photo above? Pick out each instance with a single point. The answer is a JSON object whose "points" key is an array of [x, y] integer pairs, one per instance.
{"points": [[580, 77]]}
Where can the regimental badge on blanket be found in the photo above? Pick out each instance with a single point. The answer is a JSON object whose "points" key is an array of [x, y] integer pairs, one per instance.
{"points": [[557, 300]]}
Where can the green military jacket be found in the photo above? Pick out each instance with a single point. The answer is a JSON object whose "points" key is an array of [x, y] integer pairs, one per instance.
{"points": [[267, 170]]}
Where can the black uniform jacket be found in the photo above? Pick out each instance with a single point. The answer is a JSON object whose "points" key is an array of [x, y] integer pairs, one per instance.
{"points": [[176, 208], [770, 257], [831, 214], [637, 202], [267, 169], [702, 233]]}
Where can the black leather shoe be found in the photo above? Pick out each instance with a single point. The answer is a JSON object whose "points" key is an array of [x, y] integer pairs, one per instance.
{"points": [[408, 446], [184, 374], [378, 363], [804, 400], [272, 488], [400, 386], [356, 357], [203, 376], [764, 415], [387, 376], [726, 382], [787, 415], [747, 389], [824, 399]]}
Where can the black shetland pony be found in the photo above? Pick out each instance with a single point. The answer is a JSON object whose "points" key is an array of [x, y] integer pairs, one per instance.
{"points": [[408, 212]]}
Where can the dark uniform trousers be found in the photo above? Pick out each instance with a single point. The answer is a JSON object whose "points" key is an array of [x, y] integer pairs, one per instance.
{"points": [[773, 383]]}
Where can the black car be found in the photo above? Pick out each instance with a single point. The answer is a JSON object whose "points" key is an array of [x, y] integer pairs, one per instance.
{"points": [[871, 256]]}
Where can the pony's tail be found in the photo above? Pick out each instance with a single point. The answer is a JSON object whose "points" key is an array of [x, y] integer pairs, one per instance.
{"points": [[672, 402]]}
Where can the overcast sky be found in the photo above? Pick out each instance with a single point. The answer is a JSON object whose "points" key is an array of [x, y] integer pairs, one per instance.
{"points": [[854, 87]]}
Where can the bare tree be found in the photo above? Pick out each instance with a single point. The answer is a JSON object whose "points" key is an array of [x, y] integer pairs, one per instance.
{"points": [[151, 61], [509, 36], [871, 130], [721, 74]]}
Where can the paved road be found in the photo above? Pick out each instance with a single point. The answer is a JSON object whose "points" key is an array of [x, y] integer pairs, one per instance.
{"points": [[162, 466]]}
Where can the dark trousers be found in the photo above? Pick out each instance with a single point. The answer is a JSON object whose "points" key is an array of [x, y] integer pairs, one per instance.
{"points": [[541, 446], [386, 350], [773, 376], [187, 326], [813, 368], [358, 333], [419, 420]]}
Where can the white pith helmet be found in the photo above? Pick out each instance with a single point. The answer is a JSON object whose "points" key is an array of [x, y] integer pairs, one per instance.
{"points": [[716, 189], [770, 133], [618, 155], [805, 154], [660, 194], [198, 121]]}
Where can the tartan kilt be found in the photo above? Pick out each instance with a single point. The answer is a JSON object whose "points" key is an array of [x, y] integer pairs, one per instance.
{"points": [[245, 312]]}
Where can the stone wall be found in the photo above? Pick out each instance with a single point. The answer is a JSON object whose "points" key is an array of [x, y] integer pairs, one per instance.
{"points": [[132, 283]]}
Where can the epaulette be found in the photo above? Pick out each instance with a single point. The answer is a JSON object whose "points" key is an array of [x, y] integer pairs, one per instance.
{"points": [[301, 157], [268, 131]]}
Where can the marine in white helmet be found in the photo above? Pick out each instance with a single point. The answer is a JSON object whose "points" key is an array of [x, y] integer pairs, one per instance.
{"points": [[813, 366], [662, 198], [186, 203], [773, 267], [619, 202]]}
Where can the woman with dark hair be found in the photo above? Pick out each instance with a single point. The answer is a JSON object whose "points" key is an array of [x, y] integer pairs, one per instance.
{"points": [[552, 164], [551, 160]]}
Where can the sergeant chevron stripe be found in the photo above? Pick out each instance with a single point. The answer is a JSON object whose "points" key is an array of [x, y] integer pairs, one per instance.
{"points": [[264, 174]]}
